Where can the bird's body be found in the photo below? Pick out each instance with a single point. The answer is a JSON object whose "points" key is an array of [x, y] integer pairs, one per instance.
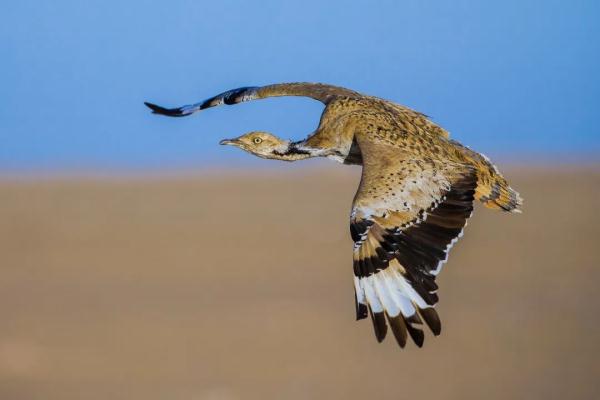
{"points": [[415, 195]]}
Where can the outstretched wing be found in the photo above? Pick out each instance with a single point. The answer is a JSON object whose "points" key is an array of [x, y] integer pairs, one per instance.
{"points": [[318, 91], [406, 216]]}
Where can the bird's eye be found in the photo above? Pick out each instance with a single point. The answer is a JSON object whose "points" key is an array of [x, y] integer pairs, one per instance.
{"points": [[257, 140]]}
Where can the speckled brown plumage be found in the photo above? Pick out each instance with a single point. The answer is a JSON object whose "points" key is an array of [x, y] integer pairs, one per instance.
{"points": [[413, 201]]}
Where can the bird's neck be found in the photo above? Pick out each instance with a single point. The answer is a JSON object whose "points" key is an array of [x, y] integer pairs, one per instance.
{"points": [[292, 152]]}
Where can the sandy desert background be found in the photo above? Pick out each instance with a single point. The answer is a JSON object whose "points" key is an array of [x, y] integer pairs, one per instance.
{"points": [[238, 285]]}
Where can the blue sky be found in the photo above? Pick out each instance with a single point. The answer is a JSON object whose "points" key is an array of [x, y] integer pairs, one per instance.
{"points": [[512, 79]]}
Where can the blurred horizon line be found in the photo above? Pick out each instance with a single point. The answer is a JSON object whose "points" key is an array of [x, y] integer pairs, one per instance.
{"points": [[207, 168]]}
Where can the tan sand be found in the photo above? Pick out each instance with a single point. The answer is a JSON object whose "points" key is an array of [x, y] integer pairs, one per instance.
{"points": [[239, 286]]}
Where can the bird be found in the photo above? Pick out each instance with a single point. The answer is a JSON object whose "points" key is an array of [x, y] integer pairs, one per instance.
{"points": [[415, 195]]}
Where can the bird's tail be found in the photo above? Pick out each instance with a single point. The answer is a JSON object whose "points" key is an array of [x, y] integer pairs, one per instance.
{"points": [[492, 189], [494, 192]]}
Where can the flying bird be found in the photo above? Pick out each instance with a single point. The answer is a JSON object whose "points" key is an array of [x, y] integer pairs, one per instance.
{"points": [[414, 198]]}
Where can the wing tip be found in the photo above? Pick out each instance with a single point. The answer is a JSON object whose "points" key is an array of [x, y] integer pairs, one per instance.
{"points": [[403, 327], [361, 311], [170, 112], [398, 329], [379, 325], [432, 320], [416, 335]]}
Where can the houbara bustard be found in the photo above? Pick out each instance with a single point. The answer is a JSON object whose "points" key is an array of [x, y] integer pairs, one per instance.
{"points": [[414, 198]]}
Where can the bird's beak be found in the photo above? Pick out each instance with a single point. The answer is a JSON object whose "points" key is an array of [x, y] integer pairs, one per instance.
{"points": [[228, 142]]}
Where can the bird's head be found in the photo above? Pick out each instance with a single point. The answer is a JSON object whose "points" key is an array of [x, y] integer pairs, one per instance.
{"points": [[261, 144]]}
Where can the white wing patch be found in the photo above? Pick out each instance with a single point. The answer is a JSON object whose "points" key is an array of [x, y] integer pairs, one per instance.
{"points": [[387, 290]]}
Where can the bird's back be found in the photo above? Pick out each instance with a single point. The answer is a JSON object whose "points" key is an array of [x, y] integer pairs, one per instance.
{"points": [[414, 133]]}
